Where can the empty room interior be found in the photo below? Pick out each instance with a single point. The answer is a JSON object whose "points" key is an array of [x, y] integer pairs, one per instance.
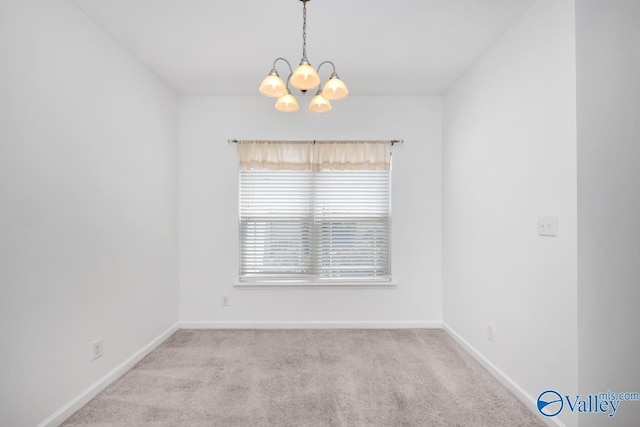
{"points": [[437, 224]]}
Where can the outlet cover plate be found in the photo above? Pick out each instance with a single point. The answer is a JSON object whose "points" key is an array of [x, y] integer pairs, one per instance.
{"points": [[547, 226], [96, 349]]}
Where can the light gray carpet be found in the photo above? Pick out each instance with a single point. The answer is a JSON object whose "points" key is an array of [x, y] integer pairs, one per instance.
{"points": [[389, 378]]}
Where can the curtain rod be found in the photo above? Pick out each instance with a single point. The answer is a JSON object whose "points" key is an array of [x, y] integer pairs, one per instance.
{"points": [[392, 141]]}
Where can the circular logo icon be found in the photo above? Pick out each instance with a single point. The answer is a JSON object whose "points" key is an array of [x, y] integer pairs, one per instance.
{"points": [[550, 403]]}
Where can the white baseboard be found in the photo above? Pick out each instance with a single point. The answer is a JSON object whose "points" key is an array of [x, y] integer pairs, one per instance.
{"points": [[79, 401], [508, 382], [311, 325]]}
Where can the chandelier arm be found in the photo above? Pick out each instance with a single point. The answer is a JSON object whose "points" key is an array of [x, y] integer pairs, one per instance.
{"points": [[333, 66], [333, 73], [287, 83], [282, 59]]}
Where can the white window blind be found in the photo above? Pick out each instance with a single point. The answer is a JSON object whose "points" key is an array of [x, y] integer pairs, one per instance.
{"points": [[276, 224], [314, 225], [352, 224]]}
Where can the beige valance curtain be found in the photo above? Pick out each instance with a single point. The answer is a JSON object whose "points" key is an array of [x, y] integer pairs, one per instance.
{"points": [[318, 155]]}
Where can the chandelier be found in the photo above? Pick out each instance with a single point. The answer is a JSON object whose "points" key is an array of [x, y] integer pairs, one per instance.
{"points": [[304, 78]]}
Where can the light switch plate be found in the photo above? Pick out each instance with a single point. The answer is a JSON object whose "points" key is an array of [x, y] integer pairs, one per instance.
{"points": [[547, 226]]}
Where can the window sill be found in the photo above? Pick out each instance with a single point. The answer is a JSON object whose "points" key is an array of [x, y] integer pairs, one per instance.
{"points": [[316, 285]]}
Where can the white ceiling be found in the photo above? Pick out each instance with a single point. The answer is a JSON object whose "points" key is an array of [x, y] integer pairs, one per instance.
{"points": [[380, 47]]}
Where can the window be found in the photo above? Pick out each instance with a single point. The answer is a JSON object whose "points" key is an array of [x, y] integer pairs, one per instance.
{"points": [[312, 220]]}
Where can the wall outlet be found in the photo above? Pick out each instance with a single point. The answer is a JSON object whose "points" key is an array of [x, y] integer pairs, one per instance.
{"points": [[225, 301], [96, 349], [490, 332], [547, 226]]}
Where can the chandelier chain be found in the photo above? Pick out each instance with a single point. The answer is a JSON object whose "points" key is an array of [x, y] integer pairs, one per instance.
{"points": [[304, 29]]}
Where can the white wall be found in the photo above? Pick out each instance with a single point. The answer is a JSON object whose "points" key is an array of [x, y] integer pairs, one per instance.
{"points": [[608, 70], [88, 206], [209, 210], [509, 155]]}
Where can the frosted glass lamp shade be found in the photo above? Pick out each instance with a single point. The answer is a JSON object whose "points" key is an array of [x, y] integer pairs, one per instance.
{"points": [[335, 89], [305, 77], [273, 86], [287, 104], [319, 104]]}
